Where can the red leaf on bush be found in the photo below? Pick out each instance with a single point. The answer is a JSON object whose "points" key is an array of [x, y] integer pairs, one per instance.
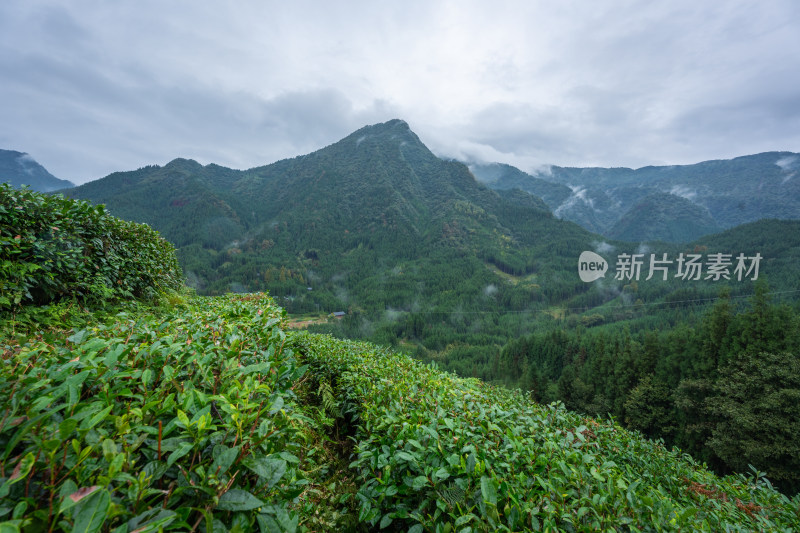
{"points": [[83, 492], [15, 475]]}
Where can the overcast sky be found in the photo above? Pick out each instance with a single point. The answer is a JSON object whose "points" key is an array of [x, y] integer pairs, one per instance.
{"points": [[89, 87]]}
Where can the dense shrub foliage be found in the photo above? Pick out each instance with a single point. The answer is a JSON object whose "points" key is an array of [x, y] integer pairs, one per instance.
{"points": [[52, 248], [181, 421], [439, 453]]}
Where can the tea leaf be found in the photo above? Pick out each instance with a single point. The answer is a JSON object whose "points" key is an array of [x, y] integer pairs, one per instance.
{"points": [[238, 500], [270, 469], [91, 515], [261, 368], [82, 493], [183, 449], [276, 405], [223, 458], [151, 520], [488, 490]]}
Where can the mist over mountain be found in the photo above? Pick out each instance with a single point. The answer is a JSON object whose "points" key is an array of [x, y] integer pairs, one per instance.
{"points": [[500, 177], [18, 169], [609, 200]]}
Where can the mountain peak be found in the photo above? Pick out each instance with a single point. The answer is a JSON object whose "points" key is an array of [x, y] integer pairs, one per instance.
{"points": [[390, 125], [392, 129], [182, 163]]}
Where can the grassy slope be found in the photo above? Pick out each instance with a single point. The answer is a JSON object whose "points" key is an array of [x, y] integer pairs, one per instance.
{"points": [[250, 440]]}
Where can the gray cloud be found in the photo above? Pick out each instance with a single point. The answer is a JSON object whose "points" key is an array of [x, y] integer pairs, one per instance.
{"points": [[90, 88]]}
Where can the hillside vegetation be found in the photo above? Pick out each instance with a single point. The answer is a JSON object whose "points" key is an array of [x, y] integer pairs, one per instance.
{"points": [[207, 417], [203, 415], [665, 217], [443, 453], [173, 420]]}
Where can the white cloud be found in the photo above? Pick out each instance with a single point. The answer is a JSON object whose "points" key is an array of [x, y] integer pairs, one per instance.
{"points": [[97, 87], [603, 247], [393, 315], [579, 194], [684, 192], [26, 161], [787, 163]]}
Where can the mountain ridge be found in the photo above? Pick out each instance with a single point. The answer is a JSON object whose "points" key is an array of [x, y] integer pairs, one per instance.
{"points": [[381, 195], [19, 169], [733, 191]]}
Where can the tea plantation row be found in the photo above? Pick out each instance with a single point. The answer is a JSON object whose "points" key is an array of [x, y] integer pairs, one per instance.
{"points": [[439, 453]]}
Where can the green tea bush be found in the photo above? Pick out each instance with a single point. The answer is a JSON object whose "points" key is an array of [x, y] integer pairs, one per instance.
{"points": [[52, 248], [184, 421], [438, 453]]}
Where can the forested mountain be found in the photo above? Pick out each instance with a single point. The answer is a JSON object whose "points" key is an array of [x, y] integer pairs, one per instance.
{"points": [[374, 222], [609, 200], [502, 177], [20, 169], [663, 216]]}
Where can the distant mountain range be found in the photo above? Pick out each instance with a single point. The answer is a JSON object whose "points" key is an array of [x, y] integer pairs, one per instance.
{"points": [[378, 222], [677, 204], [414, 249], [18, 169], [670, 203]]}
